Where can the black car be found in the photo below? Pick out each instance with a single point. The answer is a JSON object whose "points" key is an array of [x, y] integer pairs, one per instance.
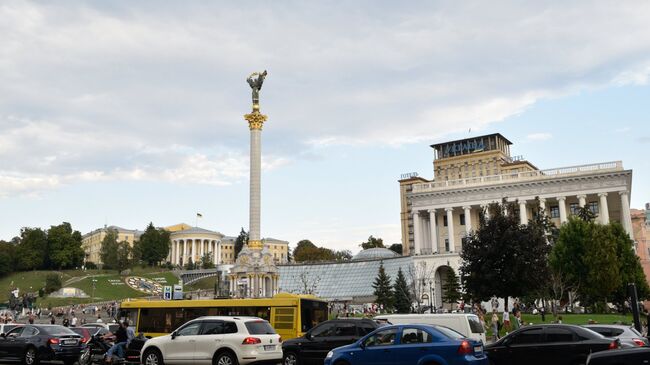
{"points": [[629, 356], [33, 343], [555, 344], [315, 344]]}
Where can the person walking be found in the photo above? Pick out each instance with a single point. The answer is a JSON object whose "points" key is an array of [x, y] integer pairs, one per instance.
{"points": [[52, 319], [506, 321], [495, 325]]}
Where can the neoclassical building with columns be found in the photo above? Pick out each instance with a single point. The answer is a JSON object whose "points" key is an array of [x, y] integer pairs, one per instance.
{"points": [[470, 174]]}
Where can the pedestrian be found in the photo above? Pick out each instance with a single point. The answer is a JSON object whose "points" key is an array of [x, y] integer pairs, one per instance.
{"points": [[66, 322], [516, 320], [73, 322], [495, 325], [52, 320], [99, 318], [542, 311], [506, 320]]}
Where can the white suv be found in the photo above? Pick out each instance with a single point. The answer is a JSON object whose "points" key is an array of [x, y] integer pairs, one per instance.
{"points": [[216, 340]]}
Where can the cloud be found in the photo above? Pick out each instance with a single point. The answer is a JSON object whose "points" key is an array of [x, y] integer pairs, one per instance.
{"points": [[539, 136], [125, 90]]}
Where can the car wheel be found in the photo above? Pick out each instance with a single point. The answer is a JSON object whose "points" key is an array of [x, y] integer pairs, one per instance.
{"points": [[290, 358], [84, 359], [225, 358], [30, 357], [152, 357]]}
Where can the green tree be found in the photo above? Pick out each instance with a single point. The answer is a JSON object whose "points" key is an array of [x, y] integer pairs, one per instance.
{"points": [[32, 251], [503, 257], [383, 289], [396, 247], [206, 261], [108, 250], [372, 243], [52, 283], [630, 268], [451, 288], [7, 258], [123, 256], [153, 245], [402, 293], [64, 247], [241, 240], [343, 255], [190, 264], [306, 251]]}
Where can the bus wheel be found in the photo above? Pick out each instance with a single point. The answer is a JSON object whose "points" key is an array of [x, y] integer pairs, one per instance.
{"points": [[290, 358]]}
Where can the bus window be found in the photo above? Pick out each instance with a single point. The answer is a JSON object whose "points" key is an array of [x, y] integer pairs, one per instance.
{"points": [[312, 312]]}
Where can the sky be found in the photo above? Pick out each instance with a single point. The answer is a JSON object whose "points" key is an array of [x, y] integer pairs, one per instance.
{"points": [[125, 113]]}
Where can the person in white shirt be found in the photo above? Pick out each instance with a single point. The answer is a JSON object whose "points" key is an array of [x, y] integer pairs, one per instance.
{"points": [[99, 319], [73, 322]]}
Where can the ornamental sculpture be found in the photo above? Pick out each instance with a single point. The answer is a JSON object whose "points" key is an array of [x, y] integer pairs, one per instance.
{"points": [[255, 80]]}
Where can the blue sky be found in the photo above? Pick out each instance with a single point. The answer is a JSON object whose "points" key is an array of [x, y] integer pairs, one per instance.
{"points": [[132, 112]]}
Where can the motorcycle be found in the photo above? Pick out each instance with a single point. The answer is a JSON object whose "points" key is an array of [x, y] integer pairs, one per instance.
{"points": [[95, 351]]}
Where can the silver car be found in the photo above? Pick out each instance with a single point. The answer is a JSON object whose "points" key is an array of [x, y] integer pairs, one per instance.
{"points": [[627, 335]]}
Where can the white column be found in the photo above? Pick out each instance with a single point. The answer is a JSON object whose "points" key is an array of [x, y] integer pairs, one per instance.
{"points": [[603, 210], [468, 219], [523, 213], [434, 231], [255, 184], [193, 254], [450, 228], [582, 200], [562, 203], [485, 207], [626, 216], [178, 252], [542, 205], [417, 234], [185, 249]]}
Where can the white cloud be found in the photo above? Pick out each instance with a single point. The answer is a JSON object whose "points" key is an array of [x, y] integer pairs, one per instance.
{"points": [[539, 136], [125, 90]]}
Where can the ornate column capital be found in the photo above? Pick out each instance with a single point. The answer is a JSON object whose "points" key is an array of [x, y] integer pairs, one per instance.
{"points": [[561, 198], [432, 211], [449, 209], [623, 193], [522, 202], [602, 194], [467, 207], [581, 196], [255, 120]]}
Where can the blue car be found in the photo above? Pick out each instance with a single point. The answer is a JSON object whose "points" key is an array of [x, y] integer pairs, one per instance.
{"points": [[416, 344]]}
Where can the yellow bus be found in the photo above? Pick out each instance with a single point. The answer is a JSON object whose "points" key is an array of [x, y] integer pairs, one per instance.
{"points": [[291, 315]]}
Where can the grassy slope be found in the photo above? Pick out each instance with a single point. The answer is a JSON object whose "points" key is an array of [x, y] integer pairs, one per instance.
{"points": [[203, 284], [104, 289]]}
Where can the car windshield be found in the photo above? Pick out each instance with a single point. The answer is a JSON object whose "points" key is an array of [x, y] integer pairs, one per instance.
{"points": [[58, 331], [259, 328], [448, 332]]}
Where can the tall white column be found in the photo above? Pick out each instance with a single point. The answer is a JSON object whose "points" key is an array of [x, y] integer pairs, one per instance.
{"points": [[626, 216], [582, 200], [178, 253], [255, 184], [468, 219], [450, 228], [193, 254], [417, 234], [486, 212], [562, 204], [523, 213], [542, 205], [185, 251], [202, 243], [603, 210], [434, 231]]}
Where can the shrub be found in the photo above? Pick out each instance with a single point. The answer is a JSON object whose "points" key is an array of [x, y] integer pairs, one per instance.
{"points": [[52, 283], [91, 265]]}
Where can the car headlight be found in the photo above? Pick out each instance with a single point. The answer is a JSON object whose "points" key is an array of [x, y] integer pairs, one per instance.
{"points": [[329, 354]]}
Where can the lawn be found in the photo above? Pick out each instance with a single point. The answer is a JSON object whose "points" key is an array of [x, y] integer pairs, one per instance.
{"points": [[578, 319], [203, 284], [108, 286]]}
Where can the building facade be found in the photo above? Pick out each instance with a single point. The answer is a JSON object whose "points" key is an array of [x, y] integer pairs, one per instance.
{"points": [[472, 173], [91, 242]]}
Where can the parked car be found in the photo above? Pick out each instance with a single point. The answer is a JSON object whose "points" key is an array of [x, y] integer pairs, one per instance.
{"points": [[466, 323], [410, 345], [312, 347], [33, 343], [628, 336], [6, 327], [556, 344], [111, 327], [216, 340], [84, 332], [628, 356]]}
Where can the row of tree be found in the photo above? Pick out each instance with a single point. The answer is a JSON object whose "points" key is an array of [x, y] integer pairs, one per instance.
{"points": [[57, 248], [582, 260], [151, 249]]}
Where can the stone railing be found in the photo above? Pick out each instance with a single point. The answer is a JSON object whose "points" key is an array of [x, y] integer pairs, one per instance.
{"points": [[519, 176]]}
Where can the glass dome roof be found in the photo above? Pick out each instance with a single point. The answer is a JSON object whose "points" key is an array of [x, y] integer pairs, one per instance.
{"points": [[375, 253]]}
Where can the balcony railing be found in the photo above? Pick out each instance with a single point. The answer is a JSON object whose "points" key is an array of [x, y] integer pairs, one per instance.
{"points": [[519, 176]]}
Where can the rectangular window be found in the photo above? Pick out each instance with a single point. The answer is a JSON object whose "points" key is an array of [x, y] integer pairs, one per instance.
{"points": [[447, 244], [462, 219], [593, 207], [574, 208], [444, 220], [555, 211]]}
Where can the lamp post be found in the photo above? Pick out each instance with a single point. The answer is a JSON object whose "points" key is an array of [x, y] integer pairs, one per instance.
{"points": [[94, 281]]}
